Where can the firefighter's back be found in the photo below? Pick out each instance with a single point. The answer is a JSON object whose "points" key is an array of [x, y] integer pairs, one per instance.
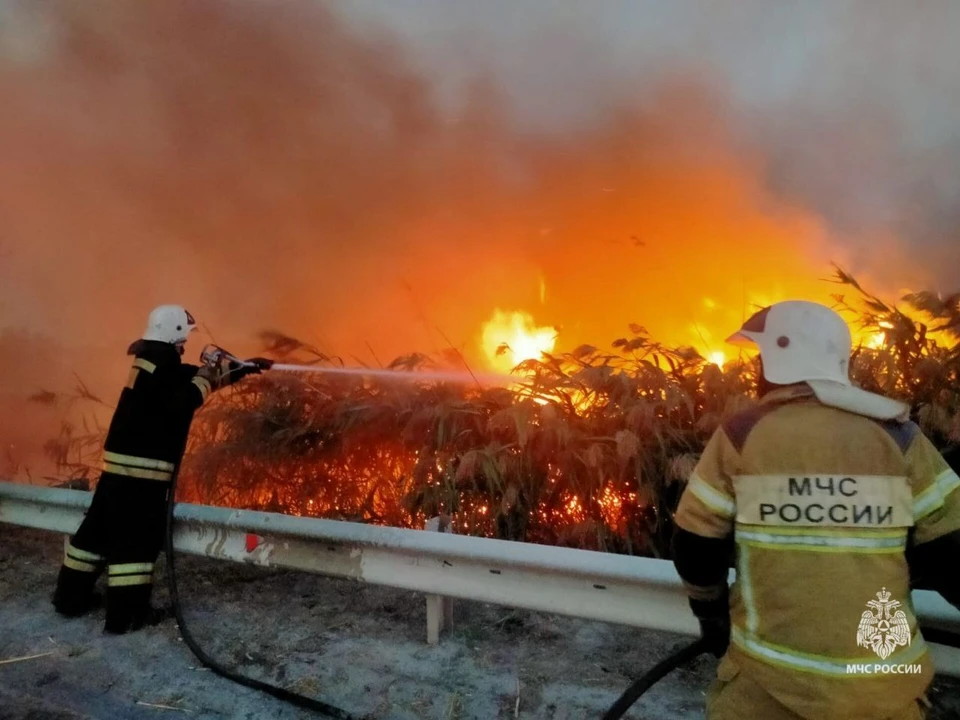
{"points": [[825, 503]]}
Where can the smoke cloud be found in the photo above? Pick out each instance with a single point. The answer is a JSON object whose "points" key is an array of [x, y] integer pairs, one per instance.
{"points": [[381, 178]]}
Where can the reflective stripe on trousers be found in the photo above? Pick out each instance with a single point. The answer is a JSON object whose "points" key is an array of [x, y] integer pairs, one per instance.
{"points": [[130, 574], [734, 695]]}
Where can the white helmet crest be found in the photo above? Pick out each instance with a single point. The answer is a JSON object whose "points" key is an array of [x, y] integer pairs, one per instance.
{"points": [[169, 324]]}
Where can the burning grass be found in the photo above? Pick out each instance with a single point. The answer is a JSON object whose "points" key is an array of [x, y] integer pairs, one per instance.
{"points": [[590, 451]]}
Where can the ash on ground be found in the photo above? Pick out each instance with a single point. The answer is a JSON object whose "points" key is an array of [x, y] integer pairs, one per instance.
{"points": [[358, 647]]}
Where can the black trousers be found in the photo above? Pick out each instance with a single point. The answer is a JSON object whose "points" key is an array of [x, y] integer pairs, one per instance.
{"points": [[123, 532]]}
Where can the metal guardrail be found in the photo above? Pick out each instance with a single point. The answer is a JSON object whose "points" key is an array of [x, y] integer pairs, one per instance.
{"points": [[639, 592]]}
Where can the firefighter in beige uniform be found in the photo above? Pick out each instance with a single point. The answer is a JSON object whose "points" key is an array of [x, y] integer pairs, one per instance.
{"points": [[830, 499]]}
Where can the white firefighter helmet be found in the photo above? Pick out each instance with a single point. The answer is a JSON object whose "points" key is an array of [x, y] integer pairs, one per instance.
{"points": [[169, 324], [805, 342], [799, 341]]}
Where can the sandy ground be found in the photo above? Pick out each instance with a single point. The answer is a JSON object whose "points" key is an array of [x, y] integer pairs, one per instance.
{"points": [[357, 647]]}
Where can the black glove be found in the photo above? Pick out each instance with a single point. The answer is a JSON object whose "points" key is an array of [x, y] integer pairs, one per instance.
{"points": [[254, 366], [716, 631], [714, 617], [227, 372], [261, 365]]}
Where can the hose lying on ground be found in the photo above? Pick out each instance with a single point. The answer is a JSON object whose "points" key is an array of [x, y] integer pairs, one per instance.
{"points": [[616, 711], [285, 695], [695, 649], [645, 682]]}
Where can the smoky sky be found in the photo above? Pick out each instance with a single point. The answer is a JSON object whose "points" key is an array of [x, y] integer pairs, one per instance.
{"points": [[378, 177], [363, 173], [855, 103]]}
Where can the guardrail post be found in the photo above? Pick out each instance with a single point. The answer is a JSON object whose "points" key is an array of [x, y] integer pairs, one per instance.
{"points": [[439, 608]]}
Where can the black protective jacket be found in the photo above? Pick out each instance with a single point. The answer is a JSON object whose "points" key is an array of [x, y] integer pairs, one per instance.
{"points": [[148, 432]]}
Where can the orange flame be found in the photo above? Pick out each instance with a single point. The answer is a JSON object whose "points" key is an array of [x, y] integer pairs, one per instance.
{"points": [[509, 338]]}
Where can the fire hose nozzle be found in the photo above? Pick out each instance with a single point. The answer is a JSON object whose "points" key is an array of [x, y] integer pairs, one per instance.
{"points": [[214, 355]]}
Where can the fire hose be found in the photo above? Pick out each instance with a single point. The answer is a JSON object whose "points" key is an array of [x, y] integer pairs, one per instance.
{"points": [[697, 648], [630, 696], [651, 678], [293, 698], [213, 355]]}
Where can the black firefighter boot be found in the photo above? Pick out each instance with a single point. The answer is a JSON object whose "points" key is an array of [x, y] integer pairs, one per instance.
{"points": [[128, 609], [74, 595]]}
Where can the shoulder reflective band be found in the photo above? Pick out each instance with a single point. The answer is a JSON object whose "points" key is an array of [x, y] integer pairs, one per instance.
{"points": [[138, 365], [144, 365], [824, 500]]}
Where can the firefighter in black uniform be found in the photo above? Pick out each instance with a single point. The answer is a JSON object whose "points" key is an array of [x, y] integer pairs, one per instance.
{"points": [[125, 525]]}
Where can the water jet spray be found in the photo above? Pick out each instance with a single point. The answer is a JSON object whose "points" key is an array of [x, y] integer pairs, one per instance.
{"points": [[213, 355]]}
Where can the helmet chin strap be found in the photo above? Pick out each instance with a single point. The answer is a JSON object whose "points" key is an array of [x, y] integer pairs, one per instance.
{"points": [[764, 386]]}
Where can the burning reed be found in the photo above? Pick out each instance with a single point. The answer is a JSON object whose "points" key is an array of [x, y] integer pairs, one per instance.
{"points": [[590, 451]]}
